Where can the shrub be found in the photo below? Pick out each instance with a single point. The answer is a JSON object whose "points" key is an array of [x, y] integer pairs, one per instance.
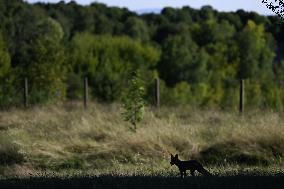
{"points": [[133, 101]]}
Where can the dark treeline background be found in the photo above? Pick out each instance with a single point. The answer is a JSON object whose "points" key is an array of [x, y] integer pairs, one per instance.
{"points": [[200, 55]]}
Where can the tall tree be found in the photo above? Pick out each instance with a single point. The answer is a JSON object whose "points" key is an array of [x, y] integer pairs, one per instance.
{"points": [[5, 60], [182, 60], [108, 61], [256, 56], [136, 28], [44, 66], [5, 76]]}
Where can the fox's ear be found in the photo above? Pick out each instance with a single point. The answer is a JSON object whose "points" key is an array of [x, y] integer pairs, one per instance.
{"points": [[172, 155], [176, 156]]}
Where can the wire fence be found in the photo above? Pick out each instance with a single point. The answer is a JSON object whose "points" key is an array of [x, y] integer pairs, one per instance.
{"points": [[19, 95]]}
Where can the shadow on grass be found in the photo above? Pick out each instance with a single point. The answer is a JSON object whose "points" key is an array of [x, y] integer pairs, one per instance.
{"points": [[146, 182]]}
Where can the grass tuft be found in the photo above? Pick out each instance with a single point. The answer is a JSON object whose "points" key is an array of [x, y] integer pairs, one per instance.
{"points": [[9, 151]]}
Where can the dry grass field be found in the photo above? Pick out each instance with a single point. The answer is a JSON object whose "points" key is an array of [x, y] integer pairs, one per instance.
{"points": [[65, 139]]}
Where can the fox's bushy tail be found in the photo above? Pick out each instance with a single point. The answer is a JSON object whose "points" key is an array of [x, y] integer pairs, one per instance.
{"points": [[204, 172]]}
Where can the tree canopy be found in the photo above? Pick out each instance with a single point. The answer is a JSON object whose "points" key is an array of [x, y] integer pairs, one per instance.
{"points": [[200, 55]]}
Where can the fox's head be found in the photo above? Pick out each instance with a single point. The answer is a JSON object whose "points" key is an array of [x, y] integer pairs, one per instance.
{"points": [[174, 159]]}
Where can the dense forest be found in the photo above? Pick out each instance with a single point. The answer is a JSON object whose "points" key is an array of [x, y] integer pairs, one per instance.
{"points": [[200, 55]]}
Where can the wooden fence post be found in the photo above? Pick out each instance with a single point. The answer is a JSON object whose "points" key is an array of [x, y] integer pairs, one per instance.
{"points": [[85, 92], [242, 96], [157, 95], [26, 92]]}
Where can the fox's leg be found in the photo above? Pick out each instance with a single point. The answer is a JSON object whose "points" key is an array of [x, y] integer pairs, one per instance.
{"points": [[185, 173], [192, 172]]}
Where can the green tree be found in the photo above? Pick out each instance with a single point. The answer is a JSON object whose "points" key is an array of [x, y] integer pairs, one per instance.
{"points": [[203, 52], [5, 60], [254, 52], [6, 88], [44, 66], [108, 61], [136, 28], [182, 60], [256, 55], [134, 102]]}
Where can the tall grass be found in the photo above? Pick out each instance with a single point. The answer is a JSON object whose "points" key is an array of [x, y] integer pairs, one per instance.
{"points": [[65, 137]]}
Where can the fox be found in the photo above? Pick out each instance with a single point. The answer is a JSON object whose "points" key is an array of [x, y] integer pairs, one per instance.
{"points": [[191, 165]]}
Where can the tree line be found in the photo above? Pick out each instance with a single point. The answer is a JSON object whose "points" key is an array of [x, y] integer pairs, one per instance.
{"points": [[200, 55]]}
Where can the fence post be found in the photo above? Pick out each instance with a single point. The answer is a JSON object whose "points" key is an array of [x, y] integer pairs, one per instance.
{"points": [[85, 92], [157, 95], [26, 92], [242, 96]]}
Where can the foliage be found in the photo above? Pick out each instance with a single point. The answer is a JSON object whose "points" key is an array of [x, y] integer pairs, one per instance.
{"points": [[204, 51], [6, 87], [45, 67], [108, 61], [136, 28], [254, 52], [134, 102], [5, 60]]}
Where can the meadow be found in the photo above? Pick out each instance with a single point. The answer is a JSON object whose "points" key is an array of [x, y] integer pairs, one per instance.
{"points": [[66, 141]]}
